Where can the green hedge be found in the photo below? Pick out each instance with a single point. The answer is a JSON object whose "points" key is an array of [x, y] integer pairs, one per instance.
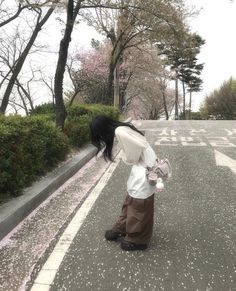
{"points": [[77, 110], [92, 110], [78, 118], [29, 146], [45, 109]]}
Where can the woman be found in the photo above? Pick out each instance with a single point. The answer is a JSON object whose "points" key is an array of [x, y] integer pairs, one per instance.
{"points": [[135, 224]]}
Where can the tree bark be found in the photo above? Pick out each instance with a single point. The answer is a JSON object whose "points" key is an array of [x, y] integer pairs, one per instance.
{"points": [[61, 63], [16, 70], [117, 86], [184, 116], [165, 105], [190, 105], [176, 99], [26, 93], [23, 101], [110, 87], [73, 98]]}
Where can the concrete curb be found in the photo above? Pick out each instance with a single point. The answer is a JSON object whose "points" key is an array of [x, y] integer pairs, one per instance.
{"points": [[14, 211]]}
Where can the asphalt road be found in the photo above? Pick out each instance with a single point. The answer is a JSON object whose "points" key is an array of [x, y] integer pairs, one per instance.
{"points": [[194, 241]]}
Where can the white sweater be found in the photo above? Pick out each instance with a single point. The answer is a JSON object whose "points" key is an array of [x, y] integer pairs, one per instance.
{"points": [[136, 151]]}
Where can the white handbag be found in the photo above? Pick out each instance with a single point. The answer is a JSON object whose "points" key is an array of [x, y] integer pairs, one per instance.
{"points": [[160, 171]]}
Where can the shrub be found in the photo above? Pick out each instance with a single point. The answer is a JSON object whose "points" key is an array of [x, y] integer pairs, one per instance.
{"points": [[46, 109], [77, 129], [78, 119], [76, 111], [194, 115], [29, 146], [92, 110]]}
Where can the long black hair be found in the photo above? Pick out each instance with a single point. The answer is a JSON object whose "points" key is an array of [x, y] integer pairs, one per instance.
{"points": [[102, 133]]}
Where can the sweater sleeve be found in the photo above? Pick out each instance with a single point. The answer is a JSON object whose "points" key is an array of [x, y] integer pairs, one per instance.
{"points": [[132, 144]]}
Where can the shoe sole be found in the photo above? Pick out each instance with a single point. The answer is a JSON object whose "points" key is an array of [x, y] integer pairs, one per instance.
{"points": [[135, 248]]}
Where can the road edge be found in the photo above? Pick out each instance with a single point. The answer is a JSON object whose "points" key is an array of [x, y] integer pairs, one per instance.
{"points": [[14, 211]]}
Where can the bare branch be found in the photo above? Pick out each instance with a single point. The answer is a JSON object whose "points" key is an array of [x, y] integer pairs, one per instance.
{"points": [[17, 13]]}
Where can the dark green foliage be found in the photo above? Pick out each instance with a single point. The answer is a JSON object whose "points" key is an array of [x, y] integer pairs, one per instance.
{"points": [[77, 129], [221, 103], [96, 109], [78, 119], [182, 57], [194, 115], [75, 111], [29, 146], [45, 109]]}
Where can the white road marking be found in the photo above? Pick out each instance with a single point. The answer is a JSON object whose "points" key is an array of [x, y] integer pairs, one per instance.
{"points": [[189, 141], [195, 131], [48, 272], [231, 132], [214, 141], [225, 161], [167, 141]]}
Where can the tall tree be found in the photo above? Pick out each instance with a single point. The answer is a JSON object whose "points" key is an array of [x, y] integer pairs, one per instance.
{"points": [[118, 26], [221, 103], [181, 55], [89, 76], [72, 11], [190, 70], [148, 89], [73, 7], [135, 23]]}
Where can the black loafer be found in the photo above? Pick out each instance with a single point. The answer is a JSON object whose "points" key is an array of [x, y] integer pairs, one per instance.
{"points": [[113, 235], [129, 246]]}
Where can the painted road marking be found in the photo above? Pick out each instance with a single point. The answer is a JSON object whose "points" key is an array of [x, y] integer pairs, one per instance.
{"points": [[225, 161], [48, 272], [231, 132], [189, 131], [189, 141], [215, 141]]}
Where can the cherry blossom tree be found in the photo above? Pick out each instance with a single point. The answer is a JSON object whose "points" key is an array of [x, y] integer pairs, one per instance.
{"points": [[89, 81], [149, 94], [134, 24], [91, 77]]}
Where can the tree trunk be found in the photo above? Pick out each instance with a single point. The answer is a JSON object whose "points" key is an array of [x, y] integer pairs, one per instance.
{"points": [[184, 116], [61, 63], [176, 99], [110, 90], [73, 98], [165, 106], [26, 93], [16, 70], [117, 86], [113, 91], [23, 100], [190, 105]]}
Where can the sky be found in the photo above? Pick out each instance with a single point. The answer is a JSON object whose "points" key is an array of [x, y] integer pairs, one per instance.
{"points": [[216, 23]]}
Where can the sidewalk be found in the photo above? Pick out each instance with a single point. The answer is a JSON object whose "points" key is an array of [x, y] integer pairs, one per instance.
{"points": [[25, 248], [14, 211]]}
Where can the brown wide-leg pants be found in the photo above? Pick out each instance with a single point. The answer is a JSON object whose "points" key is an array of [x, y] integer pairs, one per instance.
{"points": [[136, 219]]}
